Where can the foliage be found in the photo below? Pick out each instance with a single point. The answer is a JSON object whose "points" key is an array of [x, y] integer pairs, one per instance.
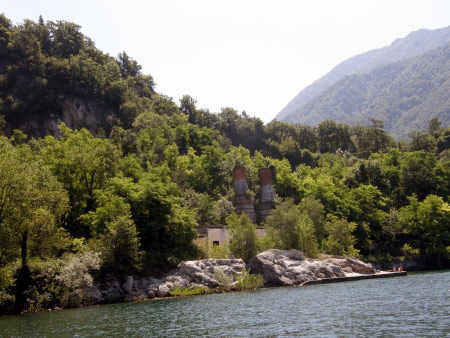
{"points": [[249, 281], [244, 240], [225, 280], [428, 225], [409, 252], [76, 271], [208, 250], [7, 302], [189, 291], [340, 240], [289, 228], [32, 200]]}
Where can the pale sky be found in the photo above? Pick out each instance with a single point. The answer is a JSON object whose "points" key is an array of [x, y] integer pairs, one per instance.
{"points": [[252, 55]]}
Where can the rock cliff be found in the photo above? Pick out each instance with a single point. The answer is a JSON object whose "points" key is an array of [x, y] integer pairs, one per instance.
{"points": [[76, 113]]}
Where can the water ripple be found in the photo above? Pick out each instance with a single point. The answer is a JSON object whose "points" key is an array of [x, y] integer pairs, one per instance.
{"points": [[412, 306]]}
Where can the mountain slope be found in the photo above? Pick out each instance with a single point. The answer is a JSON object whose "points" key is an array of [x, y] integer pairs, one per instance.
{"points": [[405, 95], [414, 44]]}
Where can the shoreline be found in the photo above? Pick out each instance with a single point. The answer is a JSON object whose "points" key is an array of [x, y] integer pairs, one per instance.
{"points": [[348, 278]]}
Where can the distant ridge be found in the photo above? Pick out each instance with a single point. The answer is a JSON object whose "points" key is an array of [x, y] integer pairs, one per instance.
{"points": [[405, 95], [414, 44]]}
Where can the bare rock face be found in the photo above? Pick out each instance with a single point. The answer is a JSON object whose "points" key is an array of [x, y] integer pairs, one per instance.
{"points": [[127, 286], [199, 273], [287, 268], [351, 265], [278, 267], [76, 113], [202, 272]]}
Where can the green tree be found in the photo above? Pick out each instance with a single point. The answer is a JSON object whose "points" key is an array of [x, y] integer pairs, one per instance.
{"points": [[289, 228], [316, 213], [417, 176], [244, 240], [32, 200], [427, 224], [340, 239], [83, 164]]}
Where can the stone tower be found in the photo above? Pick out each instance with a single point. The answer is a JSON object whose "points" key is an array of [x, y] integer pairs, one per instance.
{"points": [[243, 201], [266, 195]]}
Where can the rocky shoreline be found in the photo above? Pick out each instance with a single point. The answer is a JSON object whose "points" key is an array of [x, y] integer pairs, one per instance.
{"points": [[278, 268]]}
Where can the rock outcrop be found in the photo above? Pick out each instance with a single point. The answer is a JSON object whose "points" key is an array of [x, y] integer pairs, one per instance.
{"points": [[278, 267], [76, 113], [287, 268], [199, 273]]}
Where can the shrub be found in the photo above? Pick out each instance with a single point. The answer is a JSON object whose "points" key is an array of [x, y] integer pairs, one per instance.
{"points": [[225, 280], [6, 302], [208, 250], [249, 281], [189, 291], [244, 239], [340, 240], [6, 278], [290, 228], [410, 252], [75, 274]]}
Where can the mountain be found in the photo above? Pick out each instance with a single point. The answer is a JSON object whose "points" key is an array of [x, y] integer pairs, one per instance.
{"points": [[405, 95], [415, 44]]}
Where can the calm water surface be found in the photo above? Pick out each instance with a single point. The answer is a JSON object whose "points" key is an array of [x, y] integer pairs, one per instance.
{"points": [[414, 306]]}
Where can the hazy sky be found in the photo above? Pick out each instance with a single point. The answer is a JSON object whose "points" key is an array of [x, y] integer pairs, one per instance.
{"points": [[249, 55]]}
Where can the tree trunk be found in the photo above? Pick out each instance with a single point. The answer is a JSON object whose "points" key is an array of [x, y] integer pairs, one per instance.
{"points": [[23, 248]]}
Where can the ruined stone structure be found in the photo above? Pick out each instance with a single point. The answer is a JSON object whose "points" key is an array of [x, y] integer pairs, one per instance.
{"points": [[243, 201], [266, 195]]}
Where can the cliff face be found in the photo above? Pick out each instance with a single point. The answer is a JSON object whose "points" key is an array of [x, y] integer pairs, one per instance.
{"points": [[76, 113]]}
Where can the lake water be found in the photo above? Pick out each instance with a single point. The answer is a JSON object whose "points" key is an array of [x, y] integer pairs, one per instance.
{"points": [[416, 306]]}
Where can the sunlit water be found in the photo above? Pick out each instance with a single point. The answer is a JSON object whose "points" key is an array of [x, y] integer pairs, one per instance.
{"points": [[416, 306]]}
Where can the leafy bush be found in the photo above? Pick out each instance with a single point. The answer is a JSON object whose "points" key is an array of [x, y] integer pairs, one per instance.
{"points": [[340, 240], [225, 280], [75, 274], [6, 302], [6, 278], [410, 252], [189, 291], [208, 250], [290, 228], [244, 239], [249, 281]]}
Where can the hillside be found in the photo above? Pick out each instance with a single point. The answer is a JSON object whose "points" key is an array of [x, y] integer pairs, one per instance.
{"points": [[414, 44], [51, 73], [405, 95]]}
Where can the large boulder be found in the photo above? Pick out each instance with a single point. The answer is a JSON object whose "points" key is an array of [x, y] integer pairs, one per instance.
{"points": [[203, 271], [286, 268], [127, 286], [350, 265]]}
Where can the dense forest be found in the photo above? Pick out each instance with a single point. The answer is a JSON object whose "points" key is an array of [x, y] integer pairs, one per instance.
{"points": [[126, 198], [403, 84]]}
